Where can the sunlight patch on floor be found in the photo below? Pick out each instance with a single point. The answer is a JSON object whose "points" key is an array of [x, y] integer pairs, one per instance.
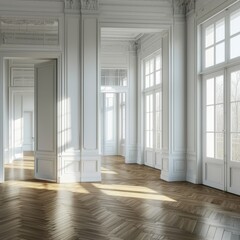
{"points": [[138, 195], [128, 188], [107, 171], [76, 188]]}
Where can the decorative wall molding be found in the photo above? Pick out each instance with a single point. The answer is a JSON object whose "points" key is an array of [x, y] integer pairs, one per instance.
{"points": [[183, 6], [72, 4], [89, 6]]}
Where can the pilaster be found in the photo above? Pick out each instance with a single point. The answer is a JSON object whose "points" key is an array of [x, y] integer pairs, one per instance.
{"points": [[90, 158]]}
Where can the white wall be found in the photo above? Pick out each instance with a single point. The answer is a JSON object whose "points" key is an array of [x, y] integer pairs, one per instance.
{"points": [[6, 112]]}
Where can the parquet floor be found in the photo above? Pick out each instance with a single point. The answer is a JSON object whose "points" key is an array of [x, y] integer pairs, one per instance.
{"points": [[130, 203]]}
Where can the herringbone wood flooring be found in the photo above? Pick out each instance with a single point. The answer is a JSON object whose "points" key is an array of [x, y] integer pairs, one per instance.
{"points": [[130, 203]]}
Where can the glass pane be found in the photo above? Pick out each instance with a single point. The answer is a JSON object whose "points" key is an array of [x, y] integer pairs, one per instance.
{"points": [[209, 36], [147, 121], [219, 118], [220, 52], [151, 139], [151, 65], [147, 81], [220, 30], [147, 139], [235, 22], [158, 77], [157, 102], [235, 47], [235, 86], [210, 91], [158, 62], [235, 147], [219, 146], [151, 80], [210, 145], [147, 68], [151, 102], [158, 140], [158, 121], [209, 57], [219, 89], [147, 104], [150, 121], [210, 119], [235, 117]]}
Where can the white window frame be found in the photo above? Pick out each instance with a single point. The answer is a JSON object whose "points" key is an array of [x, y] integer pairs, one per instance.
{"points": [[207, 72], [156, 88], [228, 61]]}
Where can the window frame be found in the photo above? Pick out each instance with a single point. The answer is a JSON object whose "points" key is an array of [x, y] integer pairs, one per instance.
{"points": [[156, 88]]}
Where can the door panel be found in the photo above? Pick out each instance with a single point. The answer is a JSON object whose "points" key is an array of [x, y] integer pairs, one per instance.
{"points": [[109, 124], [28, 131], [213, 131], [233, 156], [45, 121]]}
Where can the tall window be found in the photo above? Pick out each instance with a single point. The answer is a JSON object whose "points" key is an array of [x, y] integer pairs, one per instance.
{"points": [[221, 100], [220, 39], [153, 101]]}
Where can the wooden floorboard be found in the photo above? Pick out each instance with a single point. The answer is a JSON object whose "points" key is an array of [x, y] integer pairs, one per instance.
{"points": [[130, 203]]}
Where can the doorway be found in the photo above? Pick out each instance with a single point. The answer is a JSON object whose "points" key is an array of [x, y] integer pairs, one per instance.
{"points": [[113, 123], [30, 122], [221, 130]]}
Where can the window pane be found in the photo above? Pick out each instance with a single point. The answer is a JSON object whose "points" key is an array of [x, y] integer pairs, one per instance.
{"points": [[157, 102], [158, 140], [210, 119], [158, 121], [147, 68], [158, 77], [219, 146], [219, 89], [210, 145], [151, 80], [235, 147], [235, 22], [147, 81], [147, 121], [151, 102], [151, 65], [158, 62], [147, 104], [220, 30], [219, 118], [209, 36], [220, 52], [235, 86], [235, 117], [150, 121], [210, 91], [235, 47], [209, 57], [147, 139]]}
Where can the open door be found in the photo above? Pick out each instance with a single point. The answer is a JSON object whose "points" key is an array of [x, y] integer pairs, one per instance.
{"points": [[45, 121]]}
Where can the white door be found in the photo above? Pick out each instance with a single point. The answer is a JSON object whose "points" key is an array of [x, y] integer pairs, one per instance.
{"points": [[221, 130], [109, 124], [28, 131], [233, 130], [45, 121], [214, 131]]}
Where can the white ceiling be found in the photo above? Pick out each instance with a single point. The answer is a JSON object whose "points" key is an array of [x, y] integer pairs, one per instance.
{"points": [[126, 34]]}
